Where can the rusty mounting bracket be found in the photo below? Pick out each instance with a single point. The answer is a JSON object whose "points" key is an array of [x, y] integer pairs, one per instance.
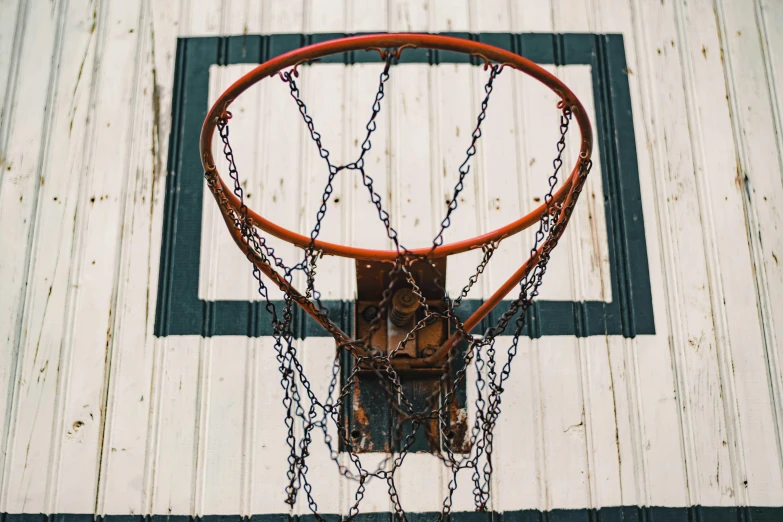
{"points": [[371, 420]]}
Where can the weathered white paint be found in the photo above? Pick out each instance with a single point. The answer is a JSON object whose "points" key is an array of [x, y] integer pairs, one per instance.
{"points": [[100, 416]]}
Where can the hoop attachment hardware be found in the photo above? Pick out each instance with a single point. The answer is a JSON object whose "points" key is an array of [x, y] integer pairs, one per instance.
{"points": [[408, 328]]}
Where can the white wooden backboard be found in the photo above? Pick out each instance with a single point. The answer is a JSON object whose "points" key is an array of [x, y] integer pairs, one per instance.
{"points": [[136, 379]]}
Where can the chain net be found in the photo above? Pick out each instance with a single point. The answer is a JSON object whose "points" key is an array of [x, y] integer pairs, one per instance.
{"points": [[306, 414]]}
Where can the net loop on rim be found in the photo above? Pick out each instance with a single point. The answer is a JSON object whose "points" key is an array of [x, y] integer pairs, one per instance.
{"points": [[305, 413]]}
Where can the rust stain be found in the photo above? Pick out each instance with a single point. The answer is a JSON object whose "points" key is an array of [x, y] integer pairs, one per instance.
{"points": [[741, 178], [157, 165], [359, 413], [595, 255], [460, 440], [108, 335], [157, 168], [360, 421]]}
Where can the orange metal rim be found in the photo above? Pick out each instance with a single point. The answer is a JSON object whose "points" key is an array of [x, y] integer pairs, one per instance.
{"points": [[379, 42]]}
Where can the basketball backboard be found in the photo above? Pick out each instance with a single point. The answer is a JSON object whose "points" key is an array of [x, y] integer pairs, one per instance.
{"points": [[649, 376]]}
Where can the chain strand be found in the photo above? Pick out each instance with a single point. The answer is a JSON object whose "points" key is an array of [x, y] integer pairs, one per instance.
{"points": [[305, 413]]}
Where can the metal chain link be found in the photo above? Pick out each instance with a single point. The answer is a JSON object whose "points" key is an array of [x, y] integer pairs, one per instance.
{"points": [[312, 414], [464, 168]]}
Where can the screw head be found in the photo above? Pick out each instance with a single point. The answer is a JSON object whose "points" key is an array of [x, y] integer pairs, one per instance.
{"points": [[369, 313], [428, 350]]}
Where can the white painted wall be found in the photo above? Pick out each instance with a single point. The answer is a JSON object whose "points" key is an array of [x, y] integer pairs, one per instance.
{"points": [[99, 416]]}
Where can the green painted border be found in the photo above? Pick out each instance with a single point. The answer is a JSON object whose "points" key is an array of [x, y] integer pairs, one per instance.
{"points": [[606, 514], [181, 312]]}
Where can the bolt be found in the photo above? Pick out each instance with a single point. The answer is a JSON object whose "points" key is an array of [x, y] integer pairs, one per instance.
{"points": [[428, 350], [404, 305], [369, 313]]}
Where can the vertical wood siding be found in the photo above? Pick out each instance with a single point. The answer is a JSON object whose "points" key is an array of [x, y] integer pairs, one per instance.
{"points": [[99, 415]]}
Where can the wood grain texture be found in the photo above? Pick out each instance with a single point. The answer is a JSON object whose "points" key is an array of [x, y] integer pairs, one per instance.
{"points": [[100, 416]]}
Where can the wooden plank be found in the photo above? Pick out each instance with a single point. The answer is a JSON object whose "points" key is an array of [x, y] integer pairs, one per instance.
{"points": [[283, 130], [629, 419], [456, 110], [13, 16], [366, 16], [125, 480], [326, 17], [721, 205], [278, 176], [769, 16], [448, 16], [592, 281], [323, 89], [518, 456], [758, 153], [269, 450], [13, 23], [518, 436], [317, 355], [647, 454], [177, 458], [30, 482], [592, 276], [223, 468], [456, 99], [176, 407], [694, 359], [409, 103], [228, 393], [361, 87], [591, 268], [408, 15], [624, 400], [226, 274], [564, 467], [686, 302], [281, 16], [92, 278]]}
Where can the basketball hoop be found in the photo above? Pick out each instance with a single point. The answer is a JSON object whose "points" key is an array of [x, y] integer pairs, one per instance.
{"points": [[408, 287]]}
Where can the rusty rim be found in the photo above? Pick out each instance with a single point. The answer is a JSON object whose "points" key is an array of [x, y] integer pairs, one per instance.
{"points": [[395, 43], [399, 41]]}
